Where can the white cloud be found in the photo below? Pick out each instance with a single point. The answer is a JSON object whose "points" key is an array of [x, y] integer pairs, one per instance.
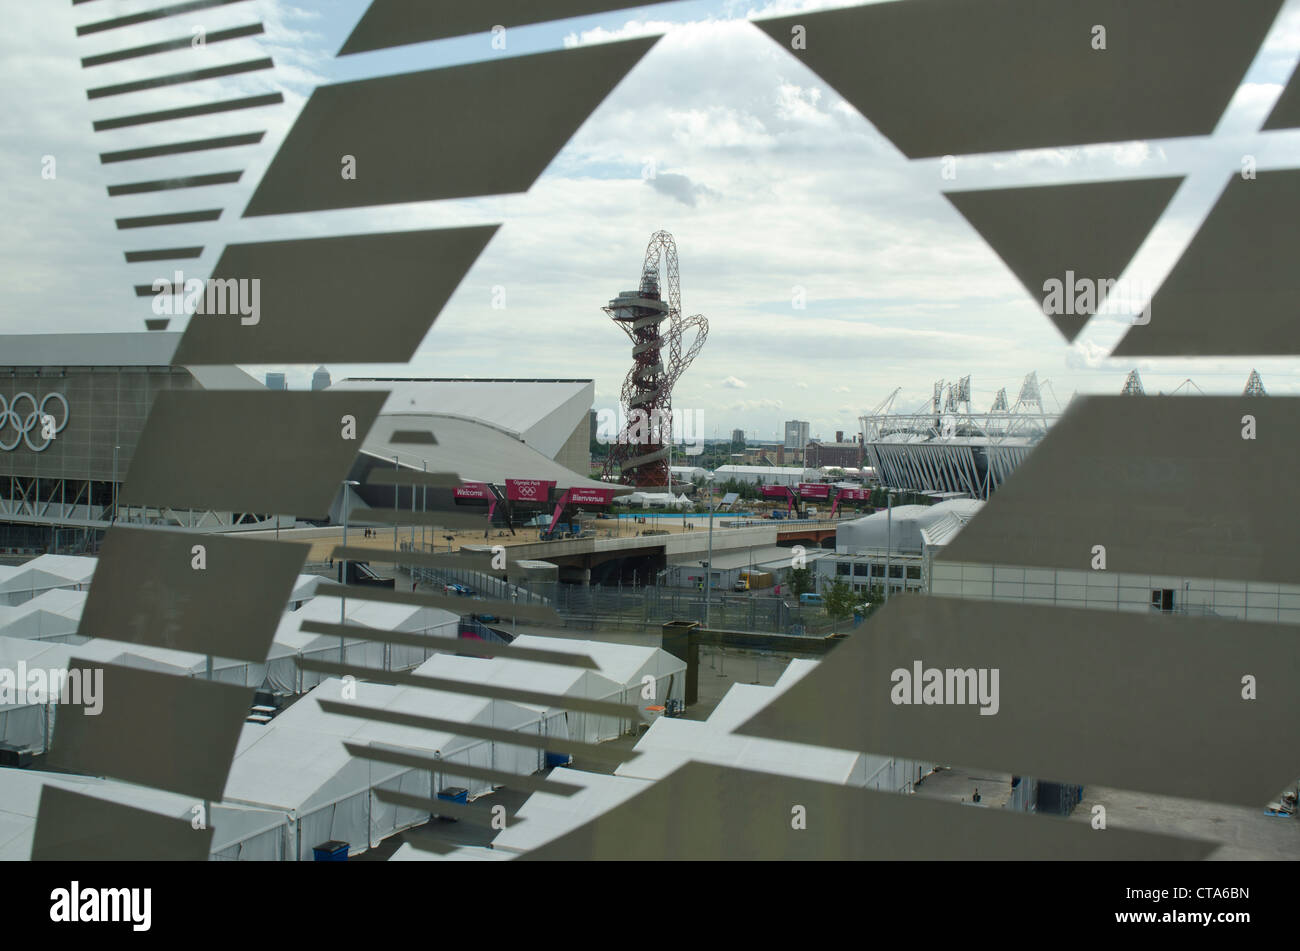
{"points": [[767, 178]]}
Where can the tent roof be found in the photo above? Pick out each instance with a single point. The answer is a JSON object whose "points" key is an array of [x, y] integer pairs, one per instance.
{"points": [[671, 743], [796, 670], [376, 614], [304, 586], [20, 796], [466, 853], [621, 663], [549, 816], [164, 659], [522, 675], [297, 761]]}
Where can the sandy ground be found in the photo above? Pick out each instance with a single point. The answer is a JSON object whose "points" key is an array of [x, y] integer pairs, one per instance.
{"points": [[323, 542]]}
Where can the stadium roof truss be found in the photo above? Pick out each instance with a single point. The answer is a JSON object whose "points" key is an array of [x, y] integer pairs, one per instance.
{"points": [[944, 446]]}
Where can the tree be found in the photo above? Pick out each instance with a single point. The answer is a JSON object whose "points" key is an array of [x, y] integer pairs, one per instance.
{"points": [[800, 580], [839, 599]]}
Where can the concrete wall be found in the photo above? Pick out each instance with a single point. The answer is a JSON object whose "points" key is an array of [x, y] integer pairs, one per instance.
{"points": [[575, 455]]}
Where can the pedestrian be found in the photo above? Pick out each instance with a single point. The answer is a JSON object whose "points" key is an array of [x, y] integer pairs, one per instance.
{"points": [[976, 797]]}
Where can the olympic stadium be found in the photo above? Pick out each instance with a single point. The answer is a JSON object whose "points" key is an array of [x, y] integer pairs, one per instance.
{"points": [[944, 447]]}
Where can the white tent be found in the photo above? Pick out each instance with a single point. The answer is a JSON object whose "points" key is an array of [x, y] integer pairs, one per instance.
{"points": [[51, 616], [549, 816], [466, 853], [25, 723], [294, 642], [670, 744], [297, 763], [796, 670], [28, 725], [238, 832], [305, 587], [23, 582], [627, 665], [553, 679], [657, 500]]}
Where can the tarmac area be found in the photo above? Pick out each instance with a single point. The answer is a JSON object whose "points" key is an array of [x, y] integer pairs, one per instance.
{"points": [[1245, 833]]}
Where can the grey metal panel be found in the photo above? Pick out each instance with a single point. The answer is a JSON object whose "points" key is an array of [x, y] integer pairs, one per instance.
{"points": [[388, 23], [1091, 229], [942, 77], [71, 827], [704, 812], [248, 451], [1137, 701], [88, 350], [173, 733], [1167, 484], [507, 119], [1286, 111], [107, 408], [1234, 290], [317, 297], [147, 591]]}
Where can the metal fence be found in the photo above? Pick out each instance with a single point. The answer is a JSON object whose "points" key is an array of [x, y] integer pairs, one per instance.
{"points": [[587, 607], [642, 606]]}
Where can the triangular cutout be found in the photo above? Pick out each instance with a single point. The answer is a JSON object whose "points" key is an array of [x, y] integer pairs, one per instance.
{"points": [[1068, 233]]}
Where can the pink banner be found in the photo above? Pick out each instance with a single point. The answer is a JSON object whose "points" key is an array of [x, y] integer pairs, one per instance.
{"points": [[528, 490], [779, 491], [474, 490], [854, 495], [814, 490], [591, 496]]}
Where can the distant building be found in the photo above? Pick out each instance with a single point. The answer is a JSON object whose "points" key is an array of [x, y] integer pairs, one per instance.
{"points": [[796, 434], [737, 437], [844, 455], [320, 380], [901, 543], [767, 475], [276, 381]]}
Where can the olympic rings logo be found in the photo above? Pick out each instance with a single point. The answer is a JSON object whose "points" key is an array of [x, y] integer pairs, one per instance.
{"points": [[38, 421]]}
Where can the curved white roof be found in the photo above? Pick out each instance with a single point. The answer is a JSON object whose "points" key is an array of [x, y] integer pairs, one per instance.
{"points": [[909, 525], [476, 451], [544, 413]]}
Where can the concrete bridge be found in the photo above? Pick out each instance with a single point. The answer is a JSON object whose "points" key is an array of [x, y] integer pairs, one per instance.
{"points": [[641, 558]]}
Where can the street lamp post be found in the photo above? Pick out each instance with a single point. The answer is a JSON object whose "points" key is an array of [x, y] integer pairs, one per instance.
{"points": [[114, 518], [889, 537], [708, 571], [343, 565]]}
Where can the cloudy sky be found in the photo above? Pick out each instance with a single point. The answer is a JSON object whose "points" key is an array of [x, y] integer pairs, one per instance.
{"points": [[768, 179]]}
